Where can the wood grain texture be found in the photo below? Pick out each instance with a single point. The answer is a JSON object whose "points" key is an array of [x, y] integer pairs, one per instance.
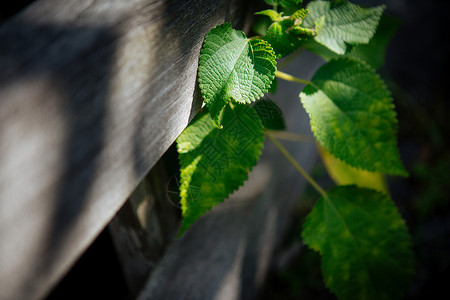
{"points": [[92, 93], [226, 254], [146, 225]]}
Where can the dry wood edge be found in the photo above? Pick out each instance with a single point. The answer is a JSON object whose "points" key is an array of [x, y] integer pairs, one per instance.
{"points": [[147, 223], [226, 254], [92, 93]]}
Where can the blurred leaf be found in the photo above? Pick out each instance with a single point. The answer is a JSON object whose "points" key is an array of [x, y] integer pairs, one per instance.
{"points": [[343, 174], [233, 68], [274, 87], [285, 3], [283, 41], [353, 117], [364, 243], [261, 25], [344, 23], [270, 114], [286, 34], [373, 53], [272, 14]]}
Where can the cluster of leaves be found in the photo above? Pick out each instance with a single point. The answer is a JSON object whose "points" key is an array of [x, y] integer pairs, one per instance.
{"points": [[364, 242]]}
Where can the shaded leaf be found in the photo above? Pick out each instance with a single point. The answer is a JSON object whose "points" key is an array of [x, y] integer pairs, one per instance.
{"points": [[284, 3], [215, 162], [270, 114], [282, 42], [287, 35], [272, 14], [260, 25], [273, 89], [344, 23], [374, 53], [364, 243]]}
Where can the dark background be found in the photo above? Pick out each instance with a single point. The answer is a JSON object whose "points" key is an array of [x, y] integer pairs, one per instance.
{"points": [[416, 68]]}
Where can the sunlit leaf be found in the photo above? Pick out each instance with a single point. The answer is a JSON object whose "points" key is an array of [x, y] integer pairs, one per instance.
{"points": [[353, 117], [344, 23], [233, 68]]}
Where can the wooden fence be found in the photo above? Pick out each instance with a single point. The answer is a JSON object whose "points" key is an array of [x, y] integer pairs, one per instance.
{"points": [[92, 94]]}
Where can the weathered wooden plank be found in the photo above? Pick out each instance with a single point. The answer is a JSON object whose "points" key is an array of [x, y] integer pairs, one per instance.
{"points": [[145, 226], [226, 253], [91, 95], [130, 243]]}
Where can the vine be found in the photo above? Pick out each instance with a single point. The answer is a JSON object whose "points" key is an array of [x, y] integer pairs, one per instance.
{"points": [[364, 242]]}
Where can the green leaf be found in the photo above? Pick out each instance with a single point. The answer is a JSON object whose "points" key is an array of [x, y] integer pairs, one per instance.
{"points": [[344, 23], [290, 3], [260, 25], [233, 68], [271, 2], [323, 51], [364, 243], [373, 53], [286, 36], [353, 117], [282, 42], [284, 3], [343, 174], [299, 15], [270, 114], [215, 162], [272, 14], [273, 89]]}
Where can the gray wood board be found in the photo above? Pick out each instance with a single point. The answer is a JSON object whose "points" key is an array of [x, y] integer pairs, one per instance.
{"points": [[225, 255], [146, 224], [92, 93]]}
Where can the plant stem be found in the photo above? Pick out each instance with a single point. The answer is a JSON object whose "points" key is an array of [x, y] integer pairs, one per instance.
{"points": [[291, 78], [290, 136], [296, 165]]}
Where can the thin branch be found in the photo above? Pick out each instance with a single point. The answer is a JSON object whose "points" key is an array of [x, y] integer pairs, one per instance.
{"points": [[296, 165], [290, 136], [291, 78]]}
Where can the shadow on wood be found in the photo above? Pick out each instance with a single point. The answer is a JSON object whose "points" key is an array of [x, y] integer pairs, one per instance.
{"points": [[92, 93], [227, 252]]}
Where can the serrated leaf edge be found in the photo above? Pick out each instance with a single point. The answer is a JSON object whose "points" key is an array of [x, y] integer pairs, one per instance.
{"points": [[184, 180], [391, 104], [250, 41], [372, 32], [376, 193]]}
